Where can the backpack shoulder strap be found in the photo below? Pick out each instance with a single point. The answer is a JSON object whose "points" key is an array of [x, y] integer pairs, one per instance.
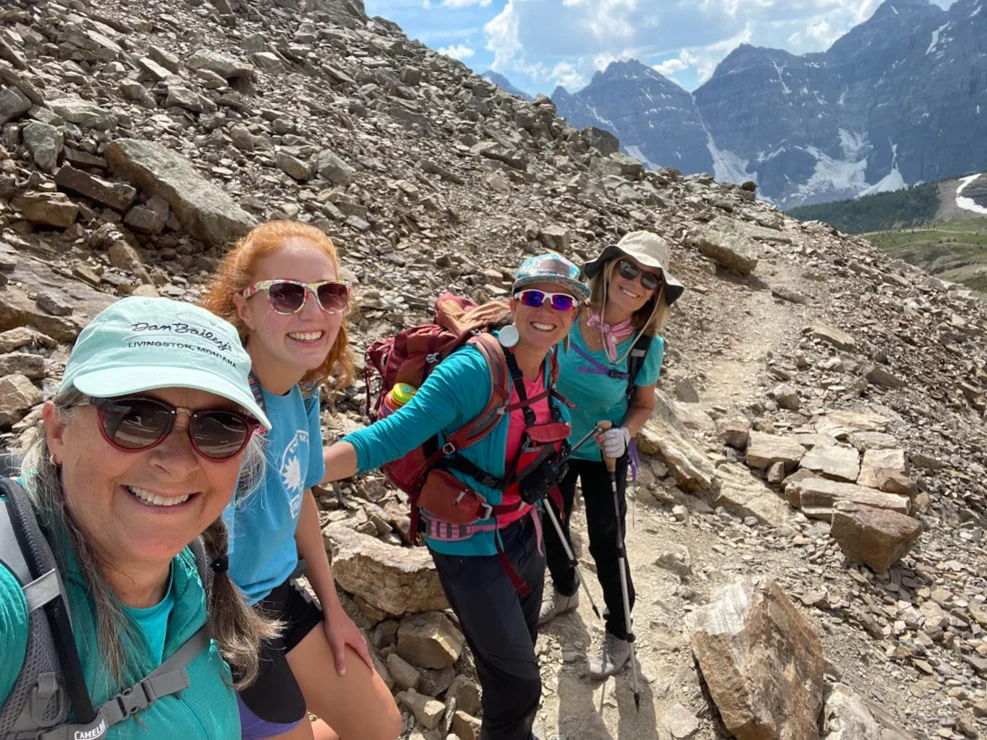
{"points": [[482, 424], [168, 678], [51, 676], [635, 361]]}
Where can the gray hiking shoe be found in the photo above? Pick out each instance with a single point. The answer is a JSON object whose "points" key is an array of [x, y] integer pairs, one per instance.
{"points": [[614, 655], [557, 605]]}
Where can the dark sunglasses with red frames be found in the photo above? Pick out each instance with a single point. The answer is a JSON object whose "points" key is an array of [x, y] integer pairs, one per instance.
{"points": [[138, 423], [290, 296], [649, 280]]}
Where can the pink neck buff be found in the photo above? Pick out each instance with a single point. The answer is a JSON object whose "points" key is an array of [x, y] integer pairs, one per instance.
{"points": [[612, 333]]}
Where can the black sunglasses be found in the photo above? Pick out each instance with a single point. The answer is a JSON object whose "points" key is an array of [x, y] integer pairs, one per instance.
{"points": [[137, 423], [649, 281]]}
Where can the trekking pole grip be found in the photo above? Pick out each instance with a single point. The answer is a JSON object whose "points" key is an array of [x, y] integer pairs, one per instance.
{"points": [[604, 426]]}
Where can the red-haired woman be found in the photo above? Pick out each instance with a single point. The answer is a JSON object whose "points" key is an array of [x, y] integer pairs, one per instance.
{"points": [[280, 287]]}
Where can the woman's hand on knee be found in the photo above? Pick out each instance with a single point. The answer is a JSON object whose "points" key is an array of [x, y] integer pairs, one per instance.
{"points": [[341, 631]]}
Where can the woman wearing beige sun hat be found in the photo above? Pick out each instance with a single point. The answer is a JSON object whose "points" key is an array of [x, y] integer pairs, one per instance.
{"points": [[610, 374]]}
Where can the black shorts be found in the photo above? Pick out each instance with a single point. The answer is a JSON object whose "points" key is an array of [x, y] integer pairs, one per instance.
{"points": [[274, 703]]}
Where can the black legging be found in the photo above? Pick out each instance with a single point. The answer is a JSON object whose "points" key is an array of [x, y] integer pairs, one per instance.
{"points": [[603, 545]]}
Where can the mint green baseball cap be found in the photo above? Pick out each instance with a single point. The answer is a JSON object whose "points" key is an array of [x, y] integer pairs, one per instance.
{"points": [[140, 344]]}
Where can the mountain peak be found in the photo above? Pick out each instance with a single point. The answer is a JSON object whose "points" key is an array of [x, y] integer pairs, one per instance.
{"points": [[505, 84], [903, 7]]}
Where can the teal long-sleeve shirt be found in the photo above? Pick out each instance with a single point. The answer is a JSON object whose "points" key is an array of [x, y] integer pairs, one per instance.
{"points": [[454, 394]]}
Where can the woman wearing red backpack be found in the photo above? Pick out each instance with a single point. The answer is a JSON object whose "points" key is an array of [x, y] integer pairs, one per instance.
{"points": [[492, 570], [610, 373]]}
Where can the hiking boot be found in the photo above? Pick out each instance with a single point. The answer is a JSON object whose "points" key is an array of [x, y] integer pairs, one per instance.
{"points": [[614, 655], [557, 605]]}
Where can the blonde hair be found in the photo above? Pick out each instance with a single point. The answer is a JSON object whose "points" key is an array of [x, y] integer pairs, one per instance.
{"points": [[649, 319], [236, 274], [237, 628]]}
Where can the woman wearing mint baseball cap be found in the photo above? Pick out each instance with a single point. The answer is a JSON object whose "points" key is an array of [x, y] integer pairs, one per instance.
{"points": [[488, 552], [135, 457], [610, 373]]}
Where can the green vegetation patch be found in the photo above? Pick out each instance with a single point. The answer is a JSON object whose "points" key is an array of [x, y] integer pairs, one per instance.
{"points": [[954, 251], [880, 212]]}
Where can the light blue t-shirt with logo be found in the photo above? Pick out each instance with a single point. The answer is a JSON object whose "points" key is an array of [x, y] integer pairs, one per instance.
{"points": [[262, 524]]}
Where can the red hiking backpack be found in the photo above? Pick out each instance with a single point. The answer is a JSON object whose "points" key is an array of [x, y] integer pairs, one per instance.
{"points": [[409, 357]]}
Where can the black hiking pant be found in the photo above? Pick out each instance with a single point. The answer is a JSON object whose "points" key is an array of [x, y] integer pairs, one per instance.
{"points": [[603, 545], [501, 628]]}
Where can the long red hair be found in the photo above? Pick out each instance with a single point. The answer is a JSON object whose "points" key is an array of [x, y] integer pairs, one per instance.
{"points": [[236, 274]]}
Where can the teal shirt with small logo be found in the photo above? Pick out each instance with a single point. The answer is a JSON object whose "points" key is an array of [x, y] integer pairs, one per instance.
{"points": [[207, 710]]}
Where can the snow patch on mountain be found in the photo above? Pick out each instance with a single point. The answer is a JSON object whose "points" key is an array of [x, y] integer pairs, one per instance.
{"points": [[891, 181], [635, 151], [854, 145], [727, 166], [968, 204], [844, 176]]}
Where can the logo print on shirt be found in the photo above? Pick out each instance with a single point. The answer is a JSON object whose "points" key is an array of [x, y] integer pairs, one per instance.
{"points": [[291, 470]]}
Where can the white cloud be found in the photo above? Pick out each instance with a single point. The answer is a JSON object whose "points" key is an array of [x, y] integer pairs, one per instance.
{"points": [[502, 37], [459, 51], [686, 38], [566, 75], [465, 3], [670, 67]]}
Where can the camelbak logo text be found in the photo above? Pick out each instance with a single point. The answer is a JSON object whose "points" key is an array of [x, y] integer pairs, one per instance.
{"points": [[92, 734]]}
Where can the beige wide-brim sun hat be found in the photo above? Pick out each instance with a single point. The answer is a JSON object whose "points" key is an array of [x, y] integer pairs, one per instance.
{"points": [[647, 248]]}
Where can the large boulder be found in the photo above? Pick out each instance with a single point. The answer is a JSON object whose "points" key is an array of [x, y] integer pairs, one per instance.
{"points": [[84, 113], [429, 640], [876, 537], [744, 494], [116, 195], [728, 246], [762, 661], [693, 471], [17, 396], [832, 336], [204, 210], [47, 209], [878, 464], [838, 463], [764, 450], [847, 716], [45, 144], [396, 580], [818, 496]]}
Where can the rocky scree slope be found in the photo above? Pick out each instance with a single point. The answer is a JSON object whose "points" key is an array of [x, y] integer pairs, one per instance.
{"points": [[136, 146]]}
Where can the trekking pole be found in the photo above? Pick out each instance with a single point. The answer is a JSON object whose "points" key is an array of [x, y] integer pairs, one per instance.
{"points": [[622, 563], [573, 563], [580, 443]]}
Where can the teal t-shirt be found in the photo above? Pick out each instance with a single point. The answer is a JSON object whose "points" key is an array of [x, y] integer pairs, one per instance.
{"points": [[205, 711], [153, 620], [597, 396], [262, 524]]}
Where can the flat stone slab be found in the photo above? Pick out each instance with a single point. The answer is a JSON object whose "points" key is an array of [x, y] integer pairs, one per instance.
{"points": [[839, 463], [817, 497]]}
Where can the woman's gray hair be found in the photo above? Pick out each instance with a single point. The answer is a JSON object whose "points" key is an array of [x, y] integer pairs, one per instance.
{"points": [[237, 628]]}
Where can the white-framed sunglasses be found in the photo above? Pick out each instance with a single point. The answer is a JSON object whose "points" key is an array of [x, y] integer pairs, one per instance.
{"points": [[290, 296]]}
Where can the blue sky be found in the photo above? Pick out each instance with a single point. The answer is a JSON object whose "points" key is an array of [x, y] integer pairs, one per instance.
{"points": [[539, 44]]}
